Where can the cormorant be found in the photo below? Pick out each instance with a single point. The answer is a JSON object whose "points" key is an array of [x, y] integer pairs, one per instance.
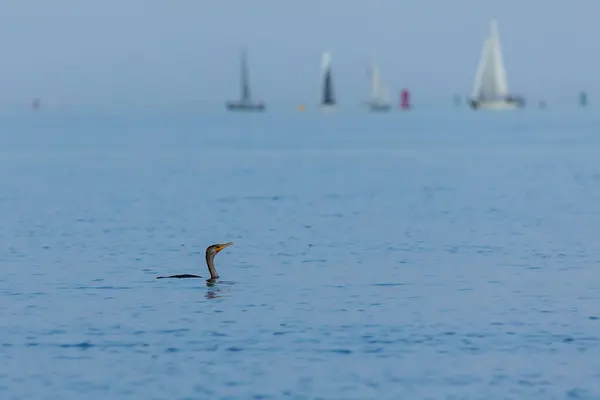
{"points": [[211, 252]]}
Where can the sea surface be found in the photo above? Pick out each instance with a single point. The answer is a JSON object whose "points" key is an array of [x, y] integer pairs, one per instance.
{"points": [[416, 255]]}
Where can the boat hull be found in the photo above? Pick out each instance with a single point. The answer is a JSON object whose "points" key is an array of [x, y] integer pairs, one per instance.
{"points": [[509, 103], [236, 106], [379, 107]]}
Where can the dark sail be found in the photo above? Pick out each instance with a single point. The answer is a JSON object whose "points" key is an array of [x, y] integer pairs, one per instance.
{"points": [[245, 103], [328, 98]]}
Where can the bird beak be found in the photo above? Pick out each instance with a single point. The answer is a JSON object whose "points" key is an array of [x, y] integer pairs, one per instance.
{"points": [[222, 246]]}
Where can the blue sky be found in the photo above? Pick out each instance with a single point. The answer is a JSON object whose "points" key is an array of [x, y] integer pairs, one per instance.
{"points": [[185, 52]]}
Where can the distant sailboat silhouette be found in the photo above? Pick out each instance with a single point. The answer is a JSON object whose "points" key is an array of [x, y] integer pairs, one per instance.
{"points": [[583, 99], [379, 100], [490, 88], [328, 99], [245, 103]]}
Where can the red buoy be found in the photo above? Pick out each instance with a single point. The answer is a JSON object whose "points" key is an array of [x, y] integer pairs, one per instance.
{"points": [[405, 99]]}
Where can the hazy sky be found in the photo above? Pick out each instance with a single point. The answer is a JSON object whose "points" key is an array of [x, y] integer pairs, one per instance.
{"points": [[185, 52]]}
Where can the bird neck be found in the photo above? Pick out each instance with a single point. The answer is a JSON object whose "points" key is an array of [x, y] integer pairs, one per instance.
{"points": [[211, 266]]}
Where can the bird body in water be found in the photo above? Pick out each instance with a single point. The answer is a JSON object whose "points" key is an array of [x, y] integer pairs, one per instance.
{"points": [[211, 252]]}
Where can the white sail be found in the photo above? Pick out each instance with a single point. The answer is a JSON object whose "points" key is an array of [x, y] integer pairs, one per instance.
{"points": [[490, 79], [326, 61], [379, 93]]}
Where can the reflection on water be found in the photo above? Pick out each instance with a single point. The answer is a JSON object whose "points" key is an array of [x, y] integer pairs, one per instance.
{"points": [[215, 293]]}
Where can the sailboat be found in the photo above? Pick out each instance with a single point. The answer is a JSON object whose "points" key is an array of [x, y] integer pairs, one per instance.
{"points": [[328, 98], [490, 89], [379, 96], [245, 103]]}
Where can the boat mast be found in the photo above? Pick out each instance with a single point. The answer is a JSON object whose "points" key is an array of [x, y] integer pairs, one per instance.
{"points": [[244, 78], [375, 94]]}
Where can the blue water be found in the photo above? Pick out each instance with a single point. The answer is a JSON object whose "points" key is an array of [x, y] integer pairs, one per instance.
{"points": [[411, 255]]}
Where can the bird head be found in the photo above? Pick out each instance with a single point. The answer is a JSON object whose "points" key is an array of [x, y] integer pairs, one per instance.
{"points": [[214, 249]]}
